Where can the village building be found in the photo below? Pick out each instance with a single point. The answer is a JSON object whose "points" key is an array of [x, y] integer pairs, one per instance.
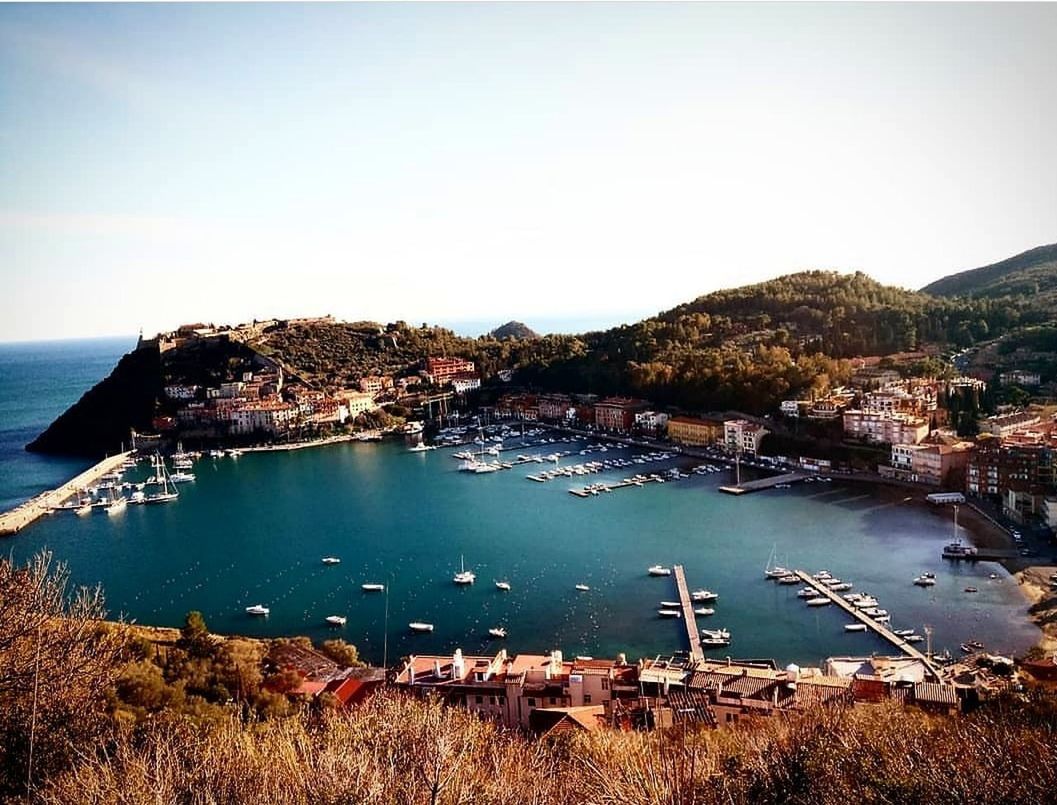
{"points": [[695, 432], [617, 413], [882, 427], [441, 371], [376, 384], [742, 436]]}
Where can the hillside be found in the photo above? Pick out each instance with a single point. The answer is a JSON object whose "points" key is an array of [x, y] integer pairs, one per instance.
{"points": [[513, 329], [744, 348], [1031, 274]]}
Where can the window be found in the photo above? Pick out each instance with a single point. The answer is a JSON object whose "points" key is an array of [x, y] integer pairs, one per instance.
{"points": [[587, 698], [605, 681], [532, 702], [479, 699]]}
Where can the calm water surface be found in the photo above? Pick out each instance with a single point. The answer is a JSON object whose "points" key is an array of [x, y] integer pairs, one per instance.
{"points": [[253, 530]]}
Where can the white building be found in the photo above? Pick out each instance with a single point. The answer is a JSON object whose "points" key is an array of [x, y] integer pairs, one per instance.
{"points": [[742, 436], [465, 383], [268, 416], [650, 420]]}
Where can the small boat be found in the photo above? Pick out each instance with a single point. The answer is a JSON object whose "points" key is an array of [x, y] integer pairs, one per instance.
{"points": [[913, 638], [331, 560], [464, 576], [216, 453], [716, 634], [372, 588], [971, 590], [336, 620], [875, 613], [967, 648], [84, 508], [497, 631], [419, 626], [855, 627], [671, 604], [806, 592], [703, 595], [421, 447], [839, 588], [924, 581], [714, 642], [975, 644], [658, 570], [258, 609], [790, 579], [582, 588], [903, 632], [117, 505], [669, 613], [181, 477], [822, 574], [234, 452], [704, 611], [821, 601], [503, 585]]}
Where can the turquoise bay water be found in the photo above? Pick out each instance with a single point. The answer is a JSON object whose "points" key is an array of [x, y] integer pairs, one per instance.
{"points": [[253, 530]]}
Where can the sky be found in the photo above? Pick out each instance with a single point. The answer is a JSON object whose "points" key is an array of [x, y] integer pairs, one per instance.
{"points": [[565, 164]]}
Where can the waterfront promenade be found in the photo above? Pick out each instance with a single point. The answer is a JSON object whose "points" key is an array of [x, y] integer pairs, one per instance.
{"points": [[763, 483], [18, 518]]}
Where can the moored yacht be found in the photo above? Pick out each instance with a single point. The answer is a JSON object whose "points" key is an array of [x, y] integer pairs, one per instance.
{"points": [[658, 570], [670, 613], [818, 602], [503, 585], [258, 609], [582, 588], [336, 620], [703, 595], [419, 626], [924, 581], [464, 576], [855, 627], [372, 588], [704, 611], [331, 560]]}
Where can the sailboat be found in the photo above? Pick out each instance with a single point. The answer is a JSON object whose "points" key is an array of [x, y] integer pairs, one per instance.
{"points": [[161, 478], [116, 504], [182, 460], [773, 571], [464, 576]]}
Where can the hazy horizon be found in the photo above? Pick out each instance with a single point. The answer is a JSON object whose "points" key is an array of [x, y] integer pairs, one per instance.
{"points": [[486, 162]]}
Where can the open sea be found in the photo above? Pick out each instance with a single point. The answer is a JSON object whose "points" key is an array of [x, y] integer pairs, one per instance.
{"points": [[254, 529]]}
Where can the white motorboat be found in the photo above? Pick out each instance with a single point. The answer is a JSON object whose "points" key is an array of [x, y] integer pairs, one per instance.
{"points": [[234, 452], [503, 585], [875, 613], [670, 613], [464, 576], [497, 631], [716, 634], [331, 560], [658, 570], [671, 604], [421, 447], [714, 642], [117, 505], [903, 632], [703, 595], [855, 627], [839, 588], [181, 477], [913, 638], [336, 620], [822, 574], [821, 601], [84, 508], [372, 588], [582, 588], [704, 611], [790, 579], [806, 592], [216, 453], [419, 626], [924, 581], [258, 609]]}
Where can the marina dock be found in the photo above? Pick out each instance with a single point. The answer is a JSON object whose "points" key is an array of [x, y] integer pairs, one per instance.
{"points": [[763, 483], [875, 627], [689, 619], [18, 518]]}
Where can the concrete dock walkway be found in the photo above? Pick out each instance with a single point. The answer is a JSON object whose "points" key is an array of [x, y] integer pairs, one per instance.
{"points": [[689, 619], [875, 627], [18, 518]]}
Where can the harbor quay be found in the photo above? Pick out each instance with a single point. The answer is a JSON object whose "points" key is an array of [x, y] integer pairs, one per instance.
{"points": [[13, 521]]}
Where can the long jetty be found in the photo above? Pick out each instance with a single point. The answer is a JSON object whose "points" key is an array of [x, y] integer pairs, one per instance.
{"points": [[689, 619], [875, 627], [13, 521], [763, 483]]}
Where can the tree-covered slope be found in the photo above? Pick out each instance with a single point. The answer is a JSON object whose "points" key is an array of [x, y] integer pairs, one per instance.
{"points": [[513, 329], [1032, 274]]}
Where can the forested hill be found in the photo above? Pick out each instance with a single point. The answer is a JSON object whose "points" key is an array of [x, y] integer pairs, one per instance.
{"points": [[1032, 274]]}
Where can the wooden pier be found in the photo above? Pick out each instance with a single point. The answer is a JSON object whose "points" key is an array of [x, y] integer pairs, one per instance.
{"points": [[763, 483], [689, 619], [13, 521], [872, 625]]}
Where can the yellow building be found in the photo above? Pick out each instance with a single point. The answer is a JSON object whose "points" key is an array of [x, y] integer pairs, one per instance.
{"points": [[695, 432]]}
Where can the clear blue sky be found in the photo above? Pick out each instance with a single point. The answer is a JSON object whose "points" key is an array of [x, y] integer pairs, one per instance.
{"points": [[160, 164]]}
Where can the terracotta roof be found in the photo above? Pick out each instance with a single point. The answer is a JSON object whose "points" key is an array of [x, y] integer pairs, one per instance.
{"points": [[550, 720]]}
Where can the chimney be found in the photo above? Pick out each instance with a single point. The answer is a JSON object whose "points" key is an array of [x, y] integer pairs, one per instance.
{"points": [[622, 658], [436, 669], [458, 667]]}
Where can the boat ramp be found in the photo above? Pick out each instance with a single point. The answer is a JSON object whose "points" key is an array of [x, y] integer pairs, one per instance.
{"points": [[13, 521]]}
